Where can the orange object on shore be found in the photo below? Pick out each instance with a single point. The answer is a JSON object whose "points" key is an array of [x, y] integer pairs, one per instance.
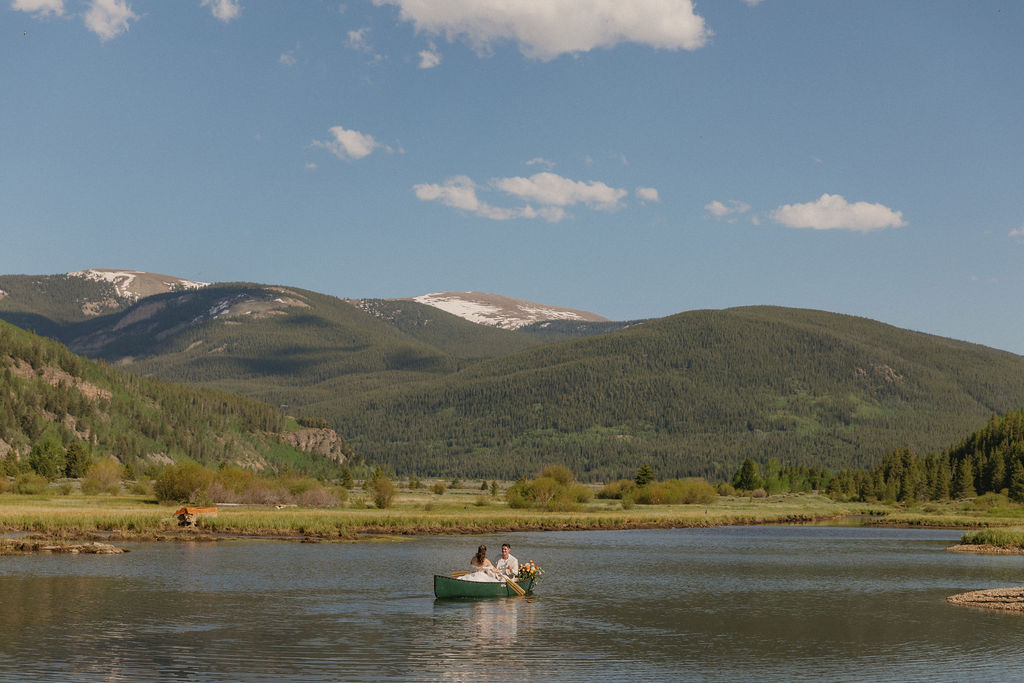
{"points": [[187, 516]]}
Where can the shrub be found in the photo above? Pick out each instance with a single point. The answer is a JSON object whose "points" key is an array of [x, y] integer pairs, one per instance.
{"points": [[184, 482], [30, 483], [560, 473], [725, 489], [319, 497], [4, 483], [580, 493], [676, 492], [628, 502], [103, 477], [439, 488], [758, 493], [617, 489], [382, 490], [142, 487]]}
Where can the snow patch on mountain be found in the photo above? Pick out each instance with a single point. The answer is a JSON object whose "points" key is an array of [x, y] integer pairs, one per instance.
{"points": [[501, 311], [137, 284]]}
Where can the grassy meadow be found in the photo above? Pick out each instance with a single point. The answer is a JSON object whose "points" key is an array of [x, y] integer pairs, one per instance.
{"points": [[58, 513]]}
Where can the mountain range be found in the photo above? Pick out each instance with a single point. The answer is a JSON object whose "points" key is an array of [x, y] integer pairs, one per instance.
{"points": [[428, 392]]}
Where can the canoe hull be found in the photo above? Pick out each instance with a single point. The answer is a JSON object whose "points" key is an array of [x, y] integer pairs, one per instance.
{"points": [[447, 587]]}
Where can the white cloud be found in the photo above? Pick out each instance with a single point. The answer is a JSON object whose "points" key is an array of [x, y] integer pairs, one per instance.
{"points": [[311, 166], [550, 192], [225, 10], [541, 161], [753, 3], [288, 59], [40, 8], [348, 144], [459, 192], [1017, 232], [548, 28], [359, 40], [430, 58], [729, 208], [552, 189], [833, 212], [108, 18], [647, 194]]}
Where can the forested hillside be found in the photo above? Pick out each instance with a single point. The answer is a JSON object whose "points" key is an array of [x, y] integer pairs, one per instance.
{"points": [[50, 395], [693, 394]]}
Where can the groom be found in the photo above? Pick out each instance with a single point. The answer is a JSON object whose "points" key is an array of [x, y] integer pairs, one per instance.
{"points": [[507, 566]]}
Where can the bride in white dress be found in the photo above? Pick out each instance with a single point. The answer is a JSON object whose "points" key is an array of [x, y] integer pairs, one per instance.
{"points": [[483, 570]]}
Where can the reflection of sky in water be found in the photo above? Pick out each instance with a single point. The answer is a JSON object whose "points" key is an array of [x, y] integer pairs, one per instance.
{"points": [[824, 602]]}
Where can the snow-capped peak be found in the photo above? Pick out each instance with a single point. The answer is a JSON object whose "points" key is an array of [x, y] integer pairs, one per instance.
{"points": [[501, 311], [137, 284]]}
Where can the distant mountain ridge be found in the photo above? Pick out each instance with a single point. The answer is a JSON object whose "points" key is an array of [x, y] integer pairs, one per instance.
{"points": [[502, 311], [430, 393]]}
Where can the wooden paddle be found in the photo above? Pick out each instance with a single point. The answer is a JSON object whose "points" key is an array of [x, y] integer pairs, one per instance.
{"points": [[456, 575], [515, 586]]}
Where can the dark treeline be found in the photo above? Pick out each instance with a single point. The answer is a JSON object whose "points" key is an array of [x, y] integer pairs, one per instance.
{"points": [[991, 460]]}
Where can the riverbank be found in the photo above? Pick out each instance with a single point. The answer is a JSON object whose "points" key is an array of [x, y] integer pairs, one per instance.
{"points": [[1011, 599], [31, 546], [128, 517]]}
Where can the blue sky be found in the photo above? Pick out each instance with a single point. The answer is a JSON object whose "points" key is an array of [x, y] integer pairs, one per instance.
{"points": [[635, 159]]}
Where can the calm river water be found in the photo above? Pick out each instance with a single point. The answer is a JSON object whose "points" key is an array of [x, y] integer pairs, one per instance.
{"points": [[765, 603]]}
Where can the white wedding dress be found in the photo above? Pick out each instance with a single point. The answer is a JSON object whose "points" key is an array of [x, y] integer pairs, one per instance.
{"points": [[481, 575]]}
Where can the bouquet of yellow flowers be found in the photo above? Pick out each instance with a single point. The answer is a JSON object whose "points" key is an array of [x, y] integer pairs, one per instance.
{"points": [[529, 570]]}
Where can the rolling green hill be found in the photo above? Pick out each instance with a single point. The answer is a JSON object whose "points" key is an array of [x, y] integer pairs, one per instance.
{"points": [[50, 394]]}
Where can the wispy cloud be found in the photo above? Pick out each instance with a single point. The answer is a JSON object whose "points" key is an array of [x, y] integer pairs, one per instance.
{"points": [[647, 194], [39, 8], [541, 161], [288, 58], [731, 207], [349, 144], [547, 196], [225, 10], [109, 18], [833, 212], [1017, 233], [430, 58], [553, 189], [545, 30]]}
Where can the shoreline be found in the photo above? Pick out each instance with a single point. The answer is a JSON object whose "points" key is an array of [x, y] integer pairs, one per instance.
{"points": [[1009, 599]]}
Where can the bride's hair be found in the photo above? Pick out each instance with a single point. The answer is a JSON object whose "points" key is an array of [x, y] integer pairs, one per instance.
{"points": [[481, 555]]}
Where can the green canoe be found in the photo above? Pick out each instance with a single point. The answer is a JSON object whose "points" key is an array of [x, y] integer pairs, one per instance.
{"points": [[447, 587]]}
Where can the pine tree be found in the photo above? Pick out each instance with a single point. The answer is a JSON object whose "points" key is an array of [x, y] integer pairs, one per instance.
{"points": [[1017, 482], [644, 475]]}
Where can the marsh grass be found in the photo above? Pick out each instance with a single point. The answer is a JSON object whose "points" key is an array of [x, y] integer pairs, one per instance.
{"points": [[1004, 538]]}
